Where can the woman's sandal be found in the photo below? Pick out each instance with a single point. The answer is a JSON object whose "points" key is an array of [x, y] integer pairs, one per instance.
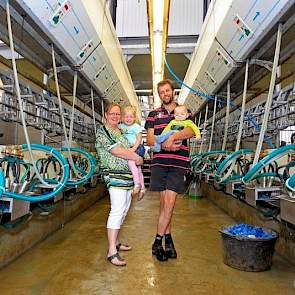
{"points": [[141, 195], [117, 260], [122, 247]]}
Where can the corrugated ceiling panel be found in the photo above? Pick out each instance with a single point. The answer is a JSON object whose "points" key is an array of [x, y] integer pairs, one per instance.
{"points": [[186, 17], [132, 18]]}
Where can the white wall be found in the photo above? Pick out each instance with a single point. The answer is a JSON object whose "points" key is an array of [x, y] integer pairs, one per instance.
{"points": [[132, 18], [186, 17]]}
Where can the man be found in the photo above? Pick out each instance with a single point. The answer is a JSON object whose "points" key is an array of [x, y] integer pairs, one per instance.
{"points": [[168, 167]]}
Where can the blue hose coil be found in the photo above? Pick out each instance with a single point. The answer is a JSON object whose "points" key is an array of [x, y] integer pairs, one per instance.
{"points": [[92, 162], [226, 162], [198, 160], [266, 160], [39, 198]]}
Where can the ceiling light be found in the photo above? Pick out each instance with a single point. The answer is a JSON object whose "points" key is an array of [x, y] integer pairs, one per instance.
{"points": [[158, 12]]}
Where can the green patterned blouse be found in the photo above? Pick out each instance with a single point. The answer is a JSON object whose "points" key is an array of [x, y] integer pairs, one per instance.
{"points": [[116, 170]]}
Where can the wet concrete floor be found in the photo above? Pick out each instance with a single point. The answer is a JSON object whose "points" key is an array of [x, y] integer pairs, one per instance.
{"points": [[72, 261]]}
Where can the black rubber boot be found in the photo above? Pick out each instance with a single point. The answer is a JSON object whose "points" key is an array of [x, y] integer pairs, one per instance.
{"points": [[159, 252], [170, 251]]}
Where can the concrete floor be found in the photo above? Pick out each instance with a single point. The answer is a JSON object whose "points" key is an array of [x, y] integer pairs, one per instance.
{"points": [[72, 261]]}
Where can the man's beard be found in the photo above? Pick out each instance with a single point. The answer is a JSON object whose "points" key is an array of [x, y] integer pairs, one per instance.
{"points": [[168, 102]]}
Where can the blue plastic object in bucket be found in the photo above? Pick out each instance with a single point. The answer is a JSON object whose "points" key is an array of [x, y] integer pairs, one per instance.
{"points": [[247, 247]]}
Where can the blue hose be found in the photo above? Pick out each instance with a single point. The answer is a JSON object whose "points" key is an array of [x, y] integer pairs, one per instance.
{"points": [[232, 178], [268, 174], [54, 192], [2, 182], [271, 157], [196, 159], [227, 161], [211, 153], [92, 162], [290, 183], [199, 159]]}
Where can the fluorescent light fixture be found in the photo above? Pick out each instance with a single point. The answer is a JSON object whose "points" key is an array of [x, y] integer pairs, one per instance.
{"points": [[157, 53], [158, 12], [158, 15]]}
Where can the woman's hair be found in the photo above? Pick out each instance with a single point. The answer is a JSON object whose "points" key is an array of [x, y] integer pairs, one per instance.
{"points": [[131, 109], [109, 106]]}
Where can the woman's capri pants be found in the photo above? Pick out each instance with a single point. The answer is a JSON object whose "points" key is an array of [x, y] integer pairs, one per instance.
{"points": [[120, 204]]}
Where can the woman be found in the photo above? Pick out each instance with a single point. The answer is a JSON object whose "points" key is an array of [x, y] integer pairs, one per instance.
{"points": [[112, 148]]}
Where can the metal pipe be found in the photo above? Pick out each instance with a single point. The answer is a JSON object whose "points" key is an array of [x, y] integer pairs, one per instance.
{"points": [[102, 110], [73, 108], [200, 116], [213, 124], [68, 148], [205, 122], [239, 137], [93, 112], [270, 95], [227, 116]]}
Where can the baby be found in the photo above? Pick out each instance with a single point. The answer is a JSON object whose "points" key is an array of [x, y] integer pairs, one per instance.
{"points": [[132, 131], [180, 122]]}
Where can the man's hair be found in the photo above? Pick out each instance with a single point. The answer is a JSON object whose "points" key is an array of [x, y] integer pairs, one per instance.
{"points": [[165, 82]]}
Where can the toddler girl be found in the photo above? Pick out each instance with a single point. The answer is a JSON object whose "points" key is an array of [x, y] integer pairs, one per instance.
{"points": [[132, 131]]}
